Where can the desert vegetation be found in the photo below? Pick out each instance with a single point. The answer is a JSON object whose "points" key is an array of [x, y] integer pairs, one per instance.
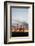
{"points": [[20, 28]]}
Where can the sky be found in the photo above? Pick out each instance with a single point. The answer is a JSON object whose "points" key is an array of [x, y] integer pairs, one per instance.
{"points": [[21, 15]]}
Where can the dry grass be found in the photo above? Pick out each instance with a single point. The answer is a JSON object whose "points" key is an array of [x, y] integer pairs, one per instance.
{"points": [[18, 30]]}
